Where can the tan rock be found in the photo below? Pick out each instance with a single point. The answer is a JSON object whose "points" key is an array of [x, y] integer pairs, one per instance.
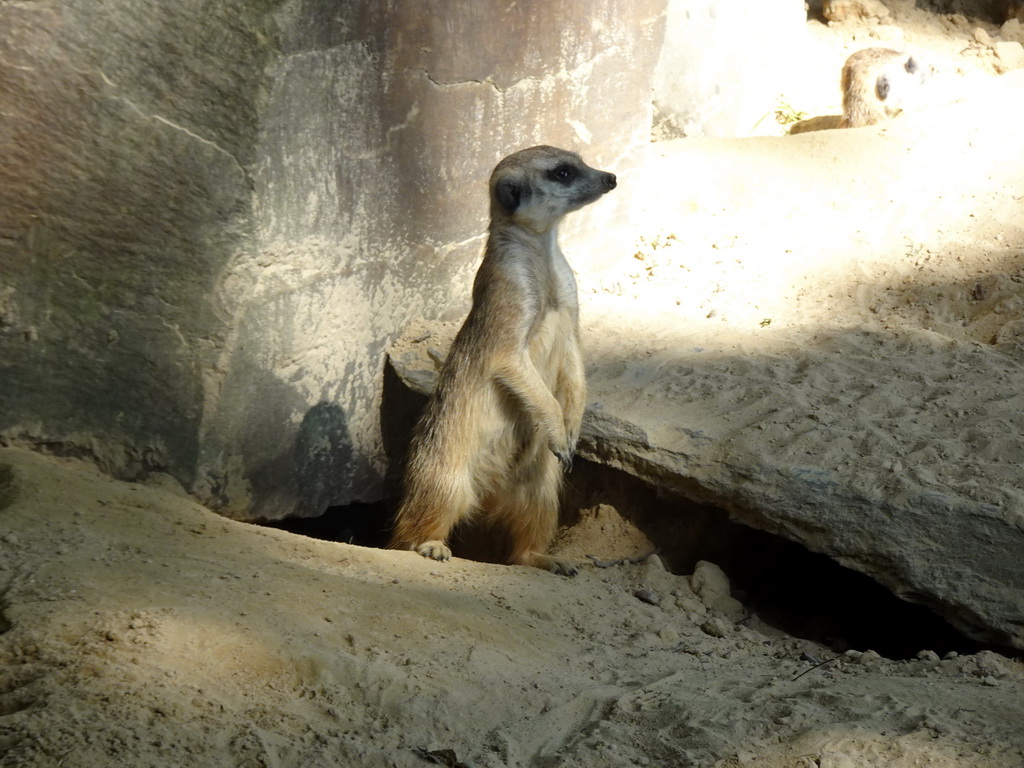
{"points": [[852, 10]]}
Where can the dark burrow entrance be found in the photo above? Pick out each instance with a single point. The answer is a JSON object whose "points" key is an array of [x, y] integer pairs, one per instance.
{"points": [[802, 593]]}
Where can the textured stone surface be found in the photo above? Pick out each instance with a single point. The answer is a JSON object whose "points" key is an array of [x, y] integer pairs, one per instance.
{"points": [[123, 194], [216, 215], [847, 10], [957, 554]]}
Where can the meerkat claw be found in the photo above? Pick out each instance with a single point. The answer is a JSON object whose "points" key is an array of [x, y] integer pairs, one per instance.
{"points": [[435, 550], [565, 459]]}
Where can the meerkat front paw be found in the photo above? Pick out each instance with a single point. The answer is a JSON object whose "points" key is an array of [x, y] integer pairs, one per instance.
{"points": [[436, 550], [564, 452], [558, 565], [563, 567], [565, 459], [574, 439]]}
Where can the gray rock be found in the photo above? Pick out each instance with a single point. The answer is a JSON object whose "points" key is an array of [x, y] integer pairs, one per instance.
{"points": [[958, 555]]}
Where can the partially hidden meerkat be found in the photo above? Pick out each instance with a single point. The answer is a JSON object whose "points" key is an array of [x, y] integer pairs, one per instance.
{"points": [[876, 84], [502, 424]]}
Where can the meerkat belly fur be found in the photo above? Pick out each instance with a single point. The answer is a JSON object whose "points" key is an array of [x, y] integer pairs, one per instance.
{"points": [[503, 422]]}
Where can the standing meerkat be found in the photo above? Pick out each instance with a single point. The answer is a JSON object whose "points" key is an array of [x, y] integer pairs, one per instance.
{"points": [[503, 422], [876, 84]]}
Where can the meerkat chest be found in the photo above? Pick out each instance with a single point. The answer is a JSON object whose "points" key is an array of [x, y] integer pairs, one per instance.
{"points": [[550, 340], [563, 283]]}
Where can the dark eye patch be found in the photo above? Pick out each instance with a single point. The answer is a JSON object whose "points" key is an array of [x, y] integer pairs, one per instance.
{"points": [[563, 173], [882, 87]]}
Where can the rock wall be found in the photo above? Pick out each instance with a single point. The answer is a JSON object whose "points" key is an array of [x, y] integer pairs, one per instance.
{"points": [[217, 215], [125, 137]]}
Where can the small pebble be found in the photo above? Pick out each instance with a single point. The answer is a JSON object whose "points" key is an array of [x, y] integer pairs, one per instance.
{"points": [[655, 563], [715, 627], [647, 595], [870, 657]]}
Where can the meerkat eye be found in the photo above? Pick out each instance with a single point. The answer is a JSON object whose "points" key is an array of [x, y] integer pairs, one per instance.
{"points": [[563, 173], [882, 87]]}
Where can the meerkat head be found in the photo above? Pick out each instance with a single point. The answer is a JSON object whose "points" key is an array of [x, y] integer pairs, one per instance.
{"points": [[899, 79], [536, 187]]}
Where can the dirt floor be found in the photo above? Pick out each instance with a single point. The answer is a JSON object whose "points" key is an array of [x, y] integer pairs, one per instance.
{"points": [[144, 630], [138, 628]]}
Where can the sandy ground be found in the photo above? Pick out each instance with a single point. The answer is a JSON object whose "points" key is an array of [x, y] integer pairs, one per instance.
{"points": [[144, 630], [138, 628]]}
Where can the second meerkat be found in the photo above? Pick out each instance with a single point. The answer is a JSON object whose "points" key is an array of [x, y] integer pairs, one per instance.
{"points": [[877, 83], [504, 419]]}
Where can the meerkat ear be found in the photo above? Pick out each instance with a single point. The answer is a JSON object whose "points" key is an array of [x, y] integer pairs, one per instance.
{"points": [[511, 194], [882, 87], [910, 65]]}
